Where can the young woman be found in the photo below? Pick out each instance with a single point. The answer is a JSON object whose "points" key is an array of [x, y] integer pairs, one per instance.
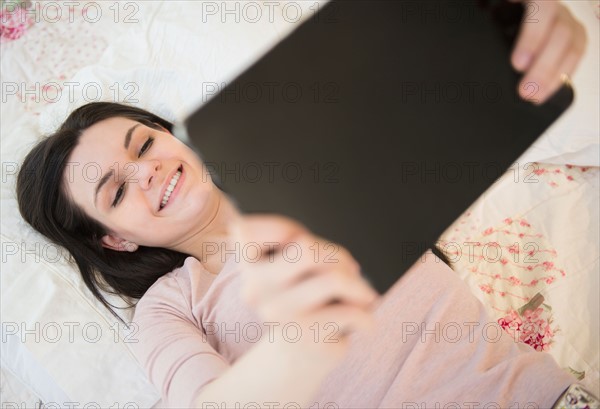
{"points": [[227, 318]]}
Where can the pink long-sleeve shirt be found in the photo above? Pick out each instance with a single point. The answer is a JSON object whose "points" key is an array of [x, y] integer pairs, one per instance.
{"points": [[433, 345]]}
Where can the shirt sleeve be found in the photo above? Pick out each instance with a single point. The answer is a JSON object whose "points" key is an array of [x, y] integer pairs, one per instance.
{"points": [[172, 347]]}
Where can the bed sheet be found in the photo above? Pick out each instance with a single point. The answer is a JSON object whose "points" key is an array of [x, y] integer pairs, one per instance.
{"points": [[528, 249], [170, 57]]}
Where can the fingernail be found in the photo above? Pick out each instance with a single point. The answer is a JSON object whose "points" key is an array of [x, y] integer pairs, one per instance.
{"points": [[521, 60], [530, 90]]}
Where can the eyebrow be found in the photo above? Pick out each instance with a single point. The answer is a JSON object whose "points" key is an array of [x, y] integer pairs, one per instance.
{"points": [[106, 177], [128, 136]]}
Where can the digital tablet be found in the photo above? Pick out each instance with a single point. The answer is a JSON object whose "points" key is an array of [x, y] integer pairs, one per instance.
{"points": [[376, 124]]}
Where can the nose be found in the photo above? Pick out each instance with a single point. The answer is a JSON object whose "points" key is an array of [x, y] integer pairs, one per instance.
{"points": [[147, 172]]}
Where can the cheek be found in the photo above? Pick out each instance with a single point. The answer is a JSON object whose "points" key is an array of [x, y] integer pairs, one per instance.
{"points": [[131, 221], [200, 195]]}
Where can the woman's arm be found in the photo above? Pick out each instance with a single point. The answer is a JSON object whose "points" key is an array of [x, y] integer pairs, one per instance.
{"points": [[278, 372], [186, 369], [270, 374]]}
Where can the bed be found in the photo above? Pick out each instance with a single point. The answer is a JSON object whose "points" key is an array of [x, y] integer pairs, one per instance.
{"points": [[528, 248]]}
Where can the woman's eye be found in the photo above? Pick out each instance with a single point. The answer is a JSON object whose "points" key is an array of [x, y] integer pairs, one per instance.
{"points": [[119, 195], [146, 146]]}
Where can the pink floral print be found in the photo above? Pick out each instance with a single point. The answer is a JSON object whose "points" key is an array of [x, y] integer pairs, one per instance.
{"points": [[530, 328], [14, 21]]}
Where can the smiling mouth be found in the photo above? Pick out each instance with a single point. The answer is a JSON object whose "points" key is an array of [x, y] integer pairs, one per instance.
{"points": [[171, 187]]}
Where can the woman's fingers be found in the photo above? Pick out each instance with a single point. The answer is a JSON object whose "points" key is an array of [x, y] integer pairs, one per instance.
{"points": [[550, 44], [259, 241], [535, 28], [306, 255], [341, 319], [325, 333], [266, 279], [293, 275], [266, 232], [318, 291], [272, 264], [576, 51], [544, 71]]}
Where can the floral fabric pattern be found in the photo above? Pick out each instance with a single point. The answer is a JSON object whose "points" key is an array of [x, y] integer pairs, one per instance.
{"points": [[512, 256], [532, 328], [14, 20]]}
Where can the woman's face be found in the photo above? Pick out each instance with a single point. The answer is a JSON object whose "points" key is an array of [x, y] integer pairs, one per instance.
{"points": [[144, 184]]}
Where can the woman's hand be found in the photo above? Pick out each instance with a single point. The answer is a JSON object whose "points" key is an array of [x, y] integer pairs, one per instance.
{"points": [[550, 44], [295, 278]]}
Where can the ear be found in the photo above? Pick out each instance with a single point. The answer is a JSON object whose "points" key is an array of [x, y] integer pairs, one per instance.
{"points": [[118, 244]]}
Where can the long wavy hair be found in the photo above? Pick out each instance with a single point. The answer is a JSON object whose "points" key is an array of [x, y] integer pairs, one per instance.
{"points": [[44, 203]]}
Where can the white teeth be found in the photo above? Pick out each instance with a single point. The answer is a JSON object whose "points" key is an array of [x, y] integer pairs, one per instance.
{"points": [[170, 189]]}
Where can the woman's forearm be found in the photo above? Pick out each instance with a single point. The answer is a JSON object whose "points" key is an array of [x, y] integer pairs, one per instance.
{"points": [[270, 374]]}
